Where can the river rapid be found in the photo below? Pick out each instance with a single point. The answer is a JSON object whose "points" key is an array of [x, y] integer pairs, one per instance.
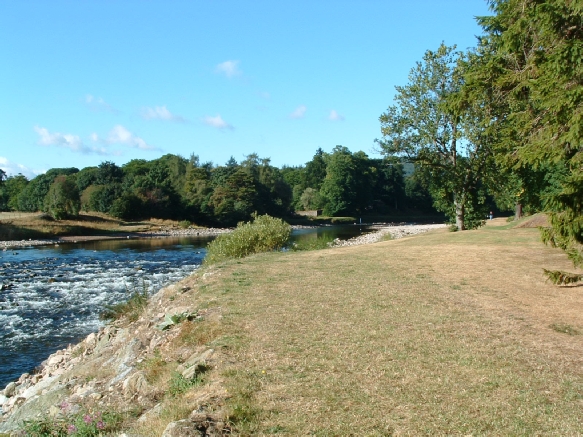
{"points": [[52, 295]]}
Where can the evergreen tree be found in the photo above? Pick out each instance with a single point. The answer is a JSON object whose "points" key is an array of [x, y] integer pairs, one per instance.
{"points": [[535, 61]]}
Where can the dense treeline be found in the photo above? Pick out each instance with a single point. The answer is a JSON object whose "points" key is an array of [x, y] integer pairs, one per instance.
{"points": [[340, 183]]}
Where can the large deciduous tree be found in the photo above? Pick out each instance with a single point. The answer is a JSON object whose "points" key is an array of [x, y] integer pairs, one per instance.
{"points": [[434, 125]]}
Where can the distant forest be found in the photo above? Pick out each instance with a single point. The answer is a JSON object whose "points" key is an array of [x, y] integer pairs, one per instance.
{"points": [[340, 183]]}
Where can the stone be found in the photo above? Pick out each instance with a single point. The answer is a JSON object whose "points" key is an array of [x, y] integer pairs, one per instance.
{"points": [[136, 384], [195, 364], [151, 414], [55, 360], [10, 389], [182, 428]]}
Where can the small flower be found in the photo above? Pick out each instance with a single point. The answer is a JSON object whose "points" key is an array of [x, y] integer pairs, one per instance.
{"points": [[71, 429], [100, 425], [65, 407], [87, 419]]}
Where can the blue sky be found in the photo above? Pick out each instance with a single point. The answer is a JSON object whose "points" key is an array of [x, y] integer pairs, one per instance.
{"points": [[87, 81]]}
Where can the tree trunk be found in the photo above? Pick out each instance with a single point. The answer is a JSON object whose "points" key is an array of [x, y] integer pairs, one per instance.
{"points": [[518, 211], [459, 215]]}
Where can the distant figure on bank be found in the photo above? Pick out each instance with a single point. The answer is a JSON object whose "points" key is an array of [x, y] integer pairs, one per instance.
{"points": [[491, 215]]}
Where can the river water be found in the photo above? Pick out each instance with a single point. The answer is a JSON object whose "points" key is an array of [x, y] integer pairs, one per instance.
{"points": [[52, 295]]}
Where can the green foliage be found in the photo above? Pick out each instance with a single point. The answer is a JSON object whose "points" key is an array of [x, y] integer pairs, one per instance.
{"points": [[32, 197], [10, 189], [435, 125], [179, 384], [310, 199], [81, 424], [559, 277], [62, 199], [263, 234], [531, 56], [347, 188], [130, 309]]}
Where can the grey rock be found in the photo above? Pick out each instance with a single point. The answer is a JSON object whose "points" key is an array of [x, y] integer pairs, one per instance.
{"points": [[182, 428], [10, 389]]}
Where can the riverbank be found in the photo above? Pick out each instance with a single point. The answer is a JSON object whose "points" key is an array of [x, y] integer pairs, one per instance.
{"points": [[396, 231], [410, 336], [160, 233]]}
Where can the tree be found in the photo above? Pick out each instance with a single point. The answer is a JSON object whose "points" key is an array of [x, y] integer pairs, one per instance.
{"points": [[234, 200], [347, 188], [10, 191], [434, 126], [535, 61], [32, 197], [62, 199]]}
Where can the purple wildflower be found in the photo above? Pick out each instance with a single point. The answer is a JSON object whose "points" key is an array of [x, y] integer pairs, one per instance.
{"points": [[87, 419], [71, 429], [100, 425]]}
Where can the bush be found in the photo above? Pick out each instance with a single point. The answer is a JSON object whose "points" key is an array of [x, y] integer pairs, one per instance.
{"points": [[264, 234]]}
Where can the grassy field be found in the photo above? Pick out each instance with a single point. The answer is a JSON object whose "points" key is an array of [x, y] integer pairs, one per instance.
{"points": [[442, 334]]}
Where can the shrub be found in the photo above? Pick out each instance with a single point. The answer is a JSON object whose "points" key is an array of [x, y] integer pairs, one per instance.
{"points": [[264, 234]]}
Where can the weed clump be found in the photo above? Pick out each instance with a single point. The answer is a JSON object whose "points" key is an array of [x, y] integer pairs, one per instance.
{"points": [[132, 308], [263, 234]]}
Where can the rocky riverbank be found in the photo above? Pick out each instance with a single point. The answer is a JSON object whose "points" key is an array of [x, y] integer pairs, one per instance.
{"points": [[113, 370], [159, 233], [395, 232]]}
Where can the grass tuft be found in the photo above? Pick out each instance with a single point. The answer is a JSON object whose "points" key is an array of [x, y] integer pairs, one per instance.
{"points": [[130, 309]]}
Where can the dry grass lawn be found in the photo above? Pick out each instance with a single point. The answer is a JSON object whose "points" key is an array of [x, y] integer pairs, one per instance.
{"points": [[442, 334]]}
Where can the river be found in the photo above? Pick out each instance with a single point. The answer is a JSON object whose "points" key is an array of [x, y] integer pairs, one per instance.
{"points": [[52, 296]]}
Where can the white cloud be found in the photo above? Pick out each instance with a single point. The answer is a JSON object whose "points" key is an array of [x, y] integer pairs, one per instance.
{"points": [[120, 135], [229, 68], [98, 104], [12, 169], [299, 112], [160, 113], [66, 141], [334, 116], [217, 122]]}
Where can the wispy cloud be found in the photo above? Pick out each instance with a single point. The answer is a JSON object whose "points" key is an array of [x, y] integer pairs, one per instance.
{"points": [[229, 69], [66, 141], [335, 116], [299, 112], [98, 104], [12, 168], [160, 113], [217, 122], [120, 135]]}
